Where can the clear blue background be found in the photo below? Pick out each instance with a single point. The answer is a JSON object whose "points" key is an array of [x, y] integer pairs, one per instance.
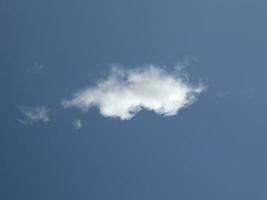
{"points": [[214, 150]]}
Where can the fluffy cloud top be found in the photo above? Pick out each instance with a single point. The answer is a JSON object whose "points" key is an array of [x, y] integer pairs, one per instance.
{"points": [[34, 114], [126, 91]]}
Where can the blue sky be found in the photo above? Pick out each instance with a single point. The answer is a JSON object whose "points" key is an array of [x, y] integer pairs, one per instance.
{"points": [[133, 100]]}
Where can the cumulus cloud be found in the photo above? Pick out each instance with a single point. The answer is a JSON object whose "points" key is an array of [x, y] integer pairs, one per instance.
{"points": [[127, 91], [34, 114], [77, 123]]}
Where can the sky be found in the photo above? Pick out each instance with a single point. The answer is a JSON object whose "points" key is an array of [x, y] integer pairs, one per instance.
{"points": [[133, 100]]}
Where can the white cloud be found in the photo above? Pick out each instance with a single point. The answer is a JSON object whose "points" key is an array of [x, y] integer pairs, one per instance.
{"points": [[77, 123], [126, 91], [37, 66], [34, 114]]}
